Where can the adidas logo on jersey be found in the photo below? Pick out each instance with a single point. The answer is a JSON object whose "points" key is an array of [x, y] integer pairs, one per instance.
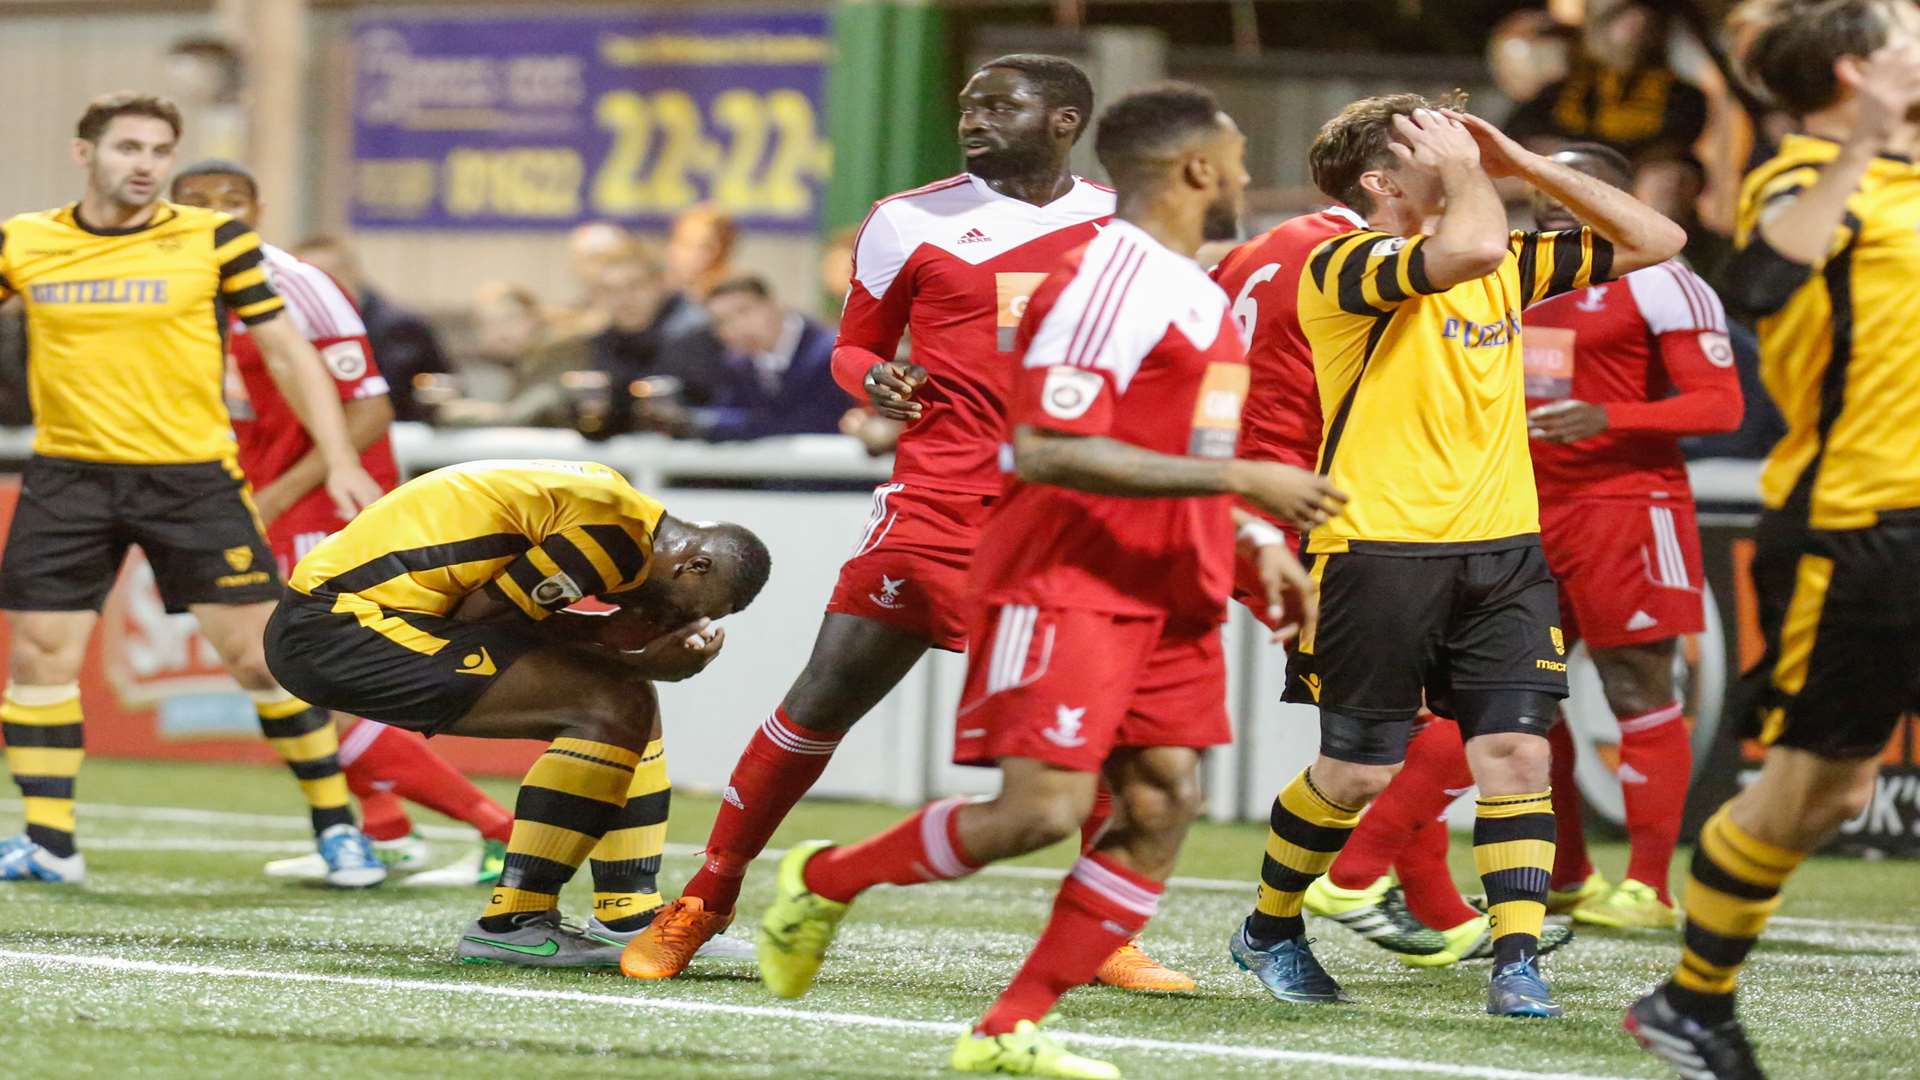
{"points": [[974, 236], [1627, 774], [1641, 621]]}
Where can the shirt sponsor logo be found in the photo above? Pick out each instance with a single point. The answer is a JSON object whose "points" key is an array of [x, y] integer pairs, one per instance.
{"points": [[101, 291], [1476, 335], [1011, 293], [1216, 412]]}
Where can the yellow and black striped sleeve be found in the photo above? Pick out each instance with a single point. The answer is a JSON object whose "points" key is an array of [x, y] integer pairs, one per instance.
{"points": [[1552, 263], [577, 562], [243, 273], [1370, 272], [1760, 279], [6, 287]]}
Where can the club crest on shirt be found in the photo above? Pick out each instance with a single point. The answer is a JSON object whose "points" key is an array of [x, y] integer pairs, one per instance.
{"points": [[1069, 392], [556, 589]]}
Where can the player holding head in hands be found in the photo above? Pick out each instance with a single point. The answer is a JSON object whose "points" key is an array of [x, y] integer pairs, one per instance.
{"points": [[1102, 579], [1433, 585], [953, 263]]}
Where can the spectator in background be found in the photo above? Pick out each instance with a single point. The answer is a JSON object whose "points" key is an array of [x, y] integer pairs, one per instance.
{"points": [[404, 343], [1620, 92], [652, 331], [699, 251], [15, 409], [778, 368], [591, 245], [512, 376], [836, 271]]}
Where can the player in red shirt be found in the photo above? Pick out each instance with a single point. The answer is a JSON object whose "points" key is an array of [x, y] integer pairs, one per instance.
{"points": [[1617, 374], [1101, 580], [382, 764], [951, 264]]}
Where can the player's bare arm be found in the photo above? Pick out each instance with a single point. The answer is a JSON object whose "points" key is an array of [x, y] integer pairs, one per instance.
{"points": [[1641, 235], [1886, 84], [301, 375], [368, 420], [1470, 239], [1105, 466]]}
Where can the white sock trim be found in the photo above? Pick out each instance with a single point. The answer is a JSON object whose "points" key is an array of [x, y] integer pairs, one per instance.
{"points": [[358, 740], [34, 696]]}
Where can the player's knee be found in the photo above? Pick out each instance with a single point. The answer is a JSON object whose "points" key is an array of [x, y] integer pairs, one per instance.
{"points": [[1831, 807], [1511, 763], [249, 669], [46, 663], [1166, 806], [1351, 783]]}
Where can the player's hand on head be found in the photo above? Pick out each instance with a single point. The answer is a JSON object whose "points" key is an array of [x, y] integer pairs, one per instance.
{"points": [[891, 386], [1293, 600], [1298, 497], [352, 490], [1499, 155], [1888, 86], [1433, 142], [1566, 421], [681, 653]]}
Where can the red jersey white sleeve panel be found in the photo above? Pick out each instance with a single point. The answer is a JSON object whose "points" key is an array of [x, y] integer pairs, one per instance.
{"points": [[955, 263], [1167, 376], [324, 316]]}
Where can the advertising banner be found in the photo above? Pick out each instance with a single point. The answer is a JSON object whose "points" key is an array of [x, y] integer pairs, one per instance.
{"points": [[486, 122]]}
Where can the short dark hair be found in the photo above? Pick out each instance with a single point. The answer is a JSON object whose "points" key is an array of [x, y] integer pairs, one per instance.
{"points": [[1060, 81], [1613, 160], [752, 563], [1794, 43], [751, 284], [1147, 123], [1355, 141], [219, 167], [102, 110]]}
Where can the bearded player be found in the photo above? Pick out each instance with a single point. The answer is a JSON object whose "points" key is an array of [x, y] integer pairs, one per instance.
{"points": [[1102, 579], [952, 264], [382, 764]]}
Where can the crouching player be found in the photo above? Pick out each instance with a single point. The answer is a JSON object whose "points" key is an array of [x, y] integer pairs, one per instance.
{"points": [[439, 609], [1104, 573]]}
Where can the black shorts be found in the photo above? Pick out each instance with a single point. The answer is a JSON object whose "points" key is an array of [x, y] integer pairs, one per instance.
{"points": [[1841, 615], [1475, 637], [75, 520], [419, 672]]}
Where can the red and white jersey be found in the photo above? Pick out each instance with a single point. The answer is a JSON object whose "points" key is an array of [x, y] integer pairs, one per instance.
{"points": [[1652, 348], [953, 264], [1133, 341], [270, 436], [1262, 276]]}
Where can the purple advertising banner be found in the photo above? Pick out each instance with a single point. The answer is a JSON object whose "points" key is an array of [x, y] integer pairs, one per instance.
{"points": [[482, 122]]}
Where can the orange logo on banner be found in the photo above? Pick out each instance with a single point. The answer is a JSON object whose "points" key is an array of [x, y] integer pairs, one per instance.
{"points": [[1011, 293]]}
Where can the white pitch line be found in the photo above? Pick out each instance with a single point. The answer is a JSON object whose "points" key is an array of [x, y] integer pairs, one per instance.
{"points": [[187, 815], [643, 1003]]}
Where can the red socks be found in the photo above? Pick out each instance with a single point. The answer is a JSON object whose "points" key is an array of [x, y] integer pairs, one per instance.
{"points": [[1427, 880], [385, 764], [781, 763], [1570, 863], [1656, 761], [1090, 829], [1436, 763], [1100, 907], [925, 847]]}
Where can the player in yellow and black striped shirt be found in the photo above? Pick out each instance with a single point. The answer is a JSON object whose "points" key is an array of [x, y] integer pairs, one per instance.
{"points": [[1828, 256], [124, 297], [440, 609], [1433, 586]]}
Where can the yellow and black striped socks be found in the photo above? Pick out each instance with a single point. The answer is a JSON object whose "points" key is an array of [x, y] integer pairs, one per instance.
{"points": [[568, 800], [1305, 832], [1513, 850], [305, 739], [42, 730], [626, 864], [1732, 890]]}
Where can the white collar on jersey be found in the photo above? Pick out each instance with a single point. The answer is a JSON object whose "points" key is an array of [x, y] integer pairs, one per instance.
{"points": [[988, 191]]}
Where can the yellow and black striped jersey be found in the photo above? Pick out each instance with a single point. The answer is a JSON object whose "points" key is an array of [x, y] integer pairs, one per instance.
{"points": [[125, 330], [1840, 342], [544, 533], [1422, 391]]}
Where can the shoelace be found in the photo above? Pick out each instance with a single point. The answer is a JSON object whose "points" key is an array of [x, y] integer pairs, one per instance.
{"points": [[675, 928]]}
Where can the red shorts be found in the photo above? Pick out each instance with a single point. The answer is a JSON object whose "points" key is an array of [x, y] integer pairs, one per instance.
{"points": [[302, 527], [1629, 569], [1247, 590], [910, 568], [1067, 686]]}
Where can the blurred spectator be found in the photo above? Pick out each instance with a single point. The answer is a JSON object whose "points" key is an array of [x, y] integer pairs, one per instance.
{"points": [[404, 344], [652, 333], [15, 408], [699, 251], [836, 271], [778, 369], [590, 247], [512, 375], [1621, 92]]}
